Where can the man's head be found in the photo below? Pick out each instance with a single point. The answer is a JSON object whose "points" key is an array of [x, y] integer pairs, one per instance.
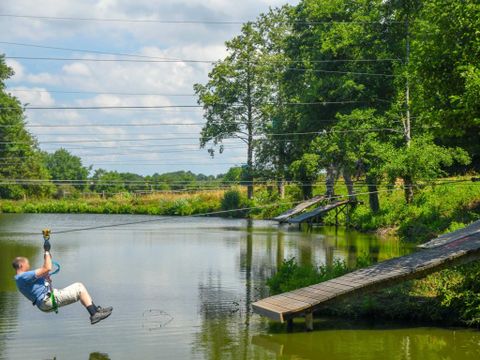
{"points": [[21, 264]]}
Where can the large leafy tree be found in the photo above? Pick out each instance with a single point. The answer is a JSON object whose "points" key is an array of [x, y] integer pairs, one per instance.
{"points": [[236, 94], [20, 159], [62, 165], [445, 64]]}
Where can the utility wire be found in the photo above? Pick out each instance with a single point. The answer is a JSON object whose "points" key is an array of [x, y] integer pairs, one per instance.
{"points": [[177, 138], [171, 60], [156, 107], [86, 51], [47, 91], [193, 22]]}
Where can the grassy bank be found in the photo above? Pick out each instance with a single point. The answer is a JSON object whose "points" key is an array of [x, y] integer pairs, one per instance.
{"points": [[156, 204]]}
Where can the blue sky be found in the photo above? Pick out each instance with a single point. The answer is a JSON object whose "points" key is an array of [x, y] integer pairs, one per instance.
{"points": [[114, 147]]}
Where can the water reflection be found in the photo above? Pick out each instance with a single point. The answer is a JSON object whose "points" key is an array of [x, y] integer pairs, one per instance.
{"points": [[189, 291], [339, 340], [8, 299]]}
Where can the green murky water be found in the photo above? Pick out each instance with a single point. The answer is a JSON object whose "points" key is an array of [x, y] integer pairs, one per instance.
{"points": [[182, 289]]}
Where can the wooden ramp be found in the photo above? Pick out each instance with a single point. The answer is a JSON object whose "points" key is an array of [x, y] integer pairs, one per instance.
{"points": [[465, 247], [317, 212], [299, 208]]}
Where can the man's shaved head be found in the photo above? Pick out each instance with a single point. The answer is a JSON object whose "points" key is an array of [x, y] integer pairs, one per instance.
{"points": [[18, 262]]}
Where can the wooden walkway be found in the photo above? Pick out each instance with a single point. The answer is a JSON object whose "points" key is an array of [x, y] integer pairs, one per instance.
{"points": [[318, 212], [299, 208], [443, 252]]}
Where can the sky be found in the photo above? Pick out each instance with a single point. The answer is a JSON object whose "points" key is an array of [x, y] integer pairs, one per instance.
{"points": [[167, 139]]}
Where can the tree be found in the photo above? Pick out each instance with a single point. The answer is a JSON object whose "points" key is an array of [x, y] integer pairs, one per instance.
{"points": [[306, 171], [423, 160], [444, 64], [64, 166], [357, 147], [20, 159], [233, 97]]}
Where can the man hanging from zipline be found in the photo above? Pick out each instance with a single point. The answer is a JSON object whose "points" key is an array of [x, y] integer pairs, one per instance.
{"points": [[36, 286]]}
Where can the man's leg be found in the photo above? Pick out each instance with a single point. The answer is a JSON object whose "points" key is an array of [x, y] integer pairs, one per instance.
{"points": [[76, 292]]}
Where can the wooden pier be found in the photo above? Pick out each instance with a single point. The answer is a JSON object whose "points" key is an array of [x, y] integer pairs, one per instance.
{"points": [[448, 250], [318, 213], [299, 208]]}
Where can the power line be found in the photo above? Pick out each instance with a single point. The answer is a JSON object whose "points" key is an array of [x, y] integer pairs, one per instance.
{"points": [[177, 138], [195, 61], [169, 60], [110, 60], [98, 93], [157, 107], [192, 22], [85, 50]]}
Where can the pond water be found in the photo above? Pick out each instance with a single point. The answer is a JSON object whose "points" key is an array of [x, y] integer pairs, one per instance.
{"points": [[181, 288]]}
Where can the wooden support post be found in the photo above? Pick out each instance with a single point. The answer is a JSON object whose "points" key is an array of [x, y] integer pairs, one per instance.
{"points": [[309, 321], [347, 217], [290, 325], [336, 217]]}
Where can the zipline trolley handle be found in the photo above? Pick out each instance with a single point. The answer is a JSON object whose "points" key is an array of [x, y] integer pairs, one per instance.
{"points": [[46, 234]]}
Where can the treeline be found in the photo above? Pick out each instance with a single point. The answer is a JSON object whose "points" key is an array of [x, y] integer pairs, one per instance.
{"points": [[387, 91]]}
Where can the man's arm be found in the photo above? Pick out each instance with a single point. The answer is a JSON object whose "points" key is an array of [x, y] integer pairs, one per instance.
{"points": [[47, 266]]}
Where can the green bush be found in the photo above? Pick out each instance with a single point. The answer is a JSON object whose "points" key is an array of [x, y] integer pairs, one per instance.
{"points": [[291, 276]]}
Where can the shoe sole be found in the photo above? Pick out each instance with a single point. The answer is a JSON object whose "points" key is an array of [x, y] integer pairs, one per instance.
{"points": [[103, 318]]}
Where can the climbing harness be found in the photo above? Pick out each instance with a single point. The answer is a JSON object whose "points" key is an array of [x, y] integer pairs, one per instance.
{"points": [[46, 239]]}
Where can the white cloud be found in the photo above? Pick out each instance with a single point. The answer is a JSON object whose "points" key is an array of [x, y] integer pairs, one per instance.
{"points": [[17, 68], [35, 96], [76, 69], [43, 78]]}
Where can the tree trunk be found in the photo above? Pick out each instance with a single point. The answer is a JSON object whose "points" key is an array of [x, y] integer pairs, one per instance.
{"points": [[349, 184], [307, 190], [280, 171], [330, 181], [373, 194], [281, 188], [249, 140], [408, 185]]}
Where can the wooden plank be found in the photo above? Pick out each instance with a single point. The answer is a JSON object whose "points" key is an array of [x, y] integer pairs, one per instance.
{"points": [[268, 312], [264, 303], [314, 213], [287, 303], [444, 239], [299, 208], [333, 285], [299, 297], [319, 296]]}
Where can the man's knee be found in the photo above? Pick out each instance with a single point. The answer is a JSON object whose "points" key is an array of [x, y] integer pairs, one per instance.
{"points": [[80, 287]]}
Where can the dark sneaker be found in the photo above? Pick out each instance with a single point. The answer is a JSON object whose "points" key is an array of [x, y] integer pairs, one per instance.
{"points": [[99, 315], [104, 309]]}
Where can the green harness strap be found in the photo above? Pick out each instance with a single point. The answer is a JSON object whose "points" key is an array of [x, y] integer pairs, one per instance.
{"points": [[54, 302]]}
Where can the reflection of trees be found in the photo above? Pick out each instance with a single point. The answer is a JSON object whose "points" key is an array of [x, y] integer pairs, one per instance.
{"points": [[98, 356], [8, 296], [343, 341], [226, 327], [222, 329]]}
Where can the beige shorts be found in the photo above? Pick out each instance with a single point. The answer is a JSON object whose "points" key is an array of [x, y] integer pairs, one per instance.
{"points": [[65, 296]]}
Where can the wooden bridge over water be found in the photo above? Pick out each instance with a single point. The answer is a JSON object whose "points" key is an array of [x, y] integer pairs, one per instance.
{"points": [[298, 215], [451, 249]]}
